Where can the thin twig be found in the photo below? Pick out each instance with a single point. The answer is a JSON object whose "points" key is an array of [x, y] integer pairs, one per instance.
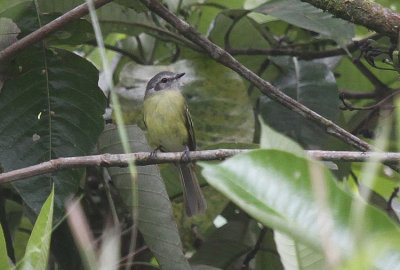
{"points": [[371, 107], [145, 158], [47, 30], [118, 50], [357, 95], [303, 54], [160, 31], [227, 42]]}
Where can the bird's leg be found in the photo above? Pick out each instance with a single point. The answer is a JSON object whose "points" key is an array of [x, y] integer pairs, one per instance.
{"points": [[186, 155], [153, 153]]}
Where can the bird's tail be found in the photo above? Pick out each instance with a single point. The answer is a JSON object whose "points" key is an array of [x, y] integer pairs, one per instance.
{"points": [[192, 196]]}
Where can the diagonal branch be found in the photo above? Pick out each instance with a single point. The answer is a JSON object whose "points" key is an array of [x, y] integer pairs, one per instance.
{"points": [[146, 158], [223, 57], [47, 30]]}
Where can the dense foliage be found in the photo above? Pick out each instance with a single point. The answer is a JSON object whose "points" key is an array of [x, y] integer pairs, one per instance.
{"points": [[271, 208]]}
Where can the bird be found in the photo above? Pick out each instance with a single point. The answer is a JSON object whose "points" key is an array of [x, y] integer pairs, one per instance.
{"points": [[170, 128]]}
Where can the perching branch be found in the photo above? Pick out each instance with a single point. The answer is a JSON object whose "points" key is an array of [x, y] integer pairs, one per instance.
{"points": [[145, 158], [47, 30], [223, 57], [363, 12]]}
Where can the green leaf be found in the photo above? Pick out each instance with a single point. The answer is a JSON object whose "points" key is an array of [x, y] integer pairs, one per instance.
{"points": [[8, 32], [52, 108], [156, 221], [76, 32], [294, 255], [276, 189], [4, 260], [270, 139], [11, 4], [312, 84], [24, 15], [37, 250], [117, 19], [21, 238], [309, 17], [243, 35], [350, 77]]}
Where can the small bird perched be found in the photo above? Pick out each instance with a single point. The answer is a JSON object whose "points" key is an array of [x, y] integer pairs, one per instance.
{"points": [[167, 118]]}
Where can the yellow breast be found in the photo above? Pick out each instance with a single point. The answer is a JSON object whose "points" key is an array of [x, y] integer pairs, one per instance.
{"points": [[164, 115]]}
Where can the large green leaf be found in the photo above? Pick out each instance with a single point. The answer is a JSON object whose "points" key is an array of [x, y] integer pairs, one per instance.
{"points": [[38, 248], [309, 17], [156, 222], [294, 255], [276, 188], [312, 84], [51, 108]]}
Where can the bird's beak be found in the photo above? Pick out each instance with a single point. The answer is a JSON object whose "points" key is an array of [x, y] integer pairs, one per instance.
{"points": [[179, 75]]}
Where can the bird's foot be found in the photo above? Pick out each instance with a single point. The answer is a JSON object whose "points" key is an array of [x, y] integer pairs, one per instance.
{"points": [[186, 155], [153, 153]]}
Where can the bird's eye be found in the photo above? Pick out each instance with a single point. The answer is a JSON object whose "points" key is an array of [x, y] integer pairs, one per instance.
{"points": [[164, 80]]}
